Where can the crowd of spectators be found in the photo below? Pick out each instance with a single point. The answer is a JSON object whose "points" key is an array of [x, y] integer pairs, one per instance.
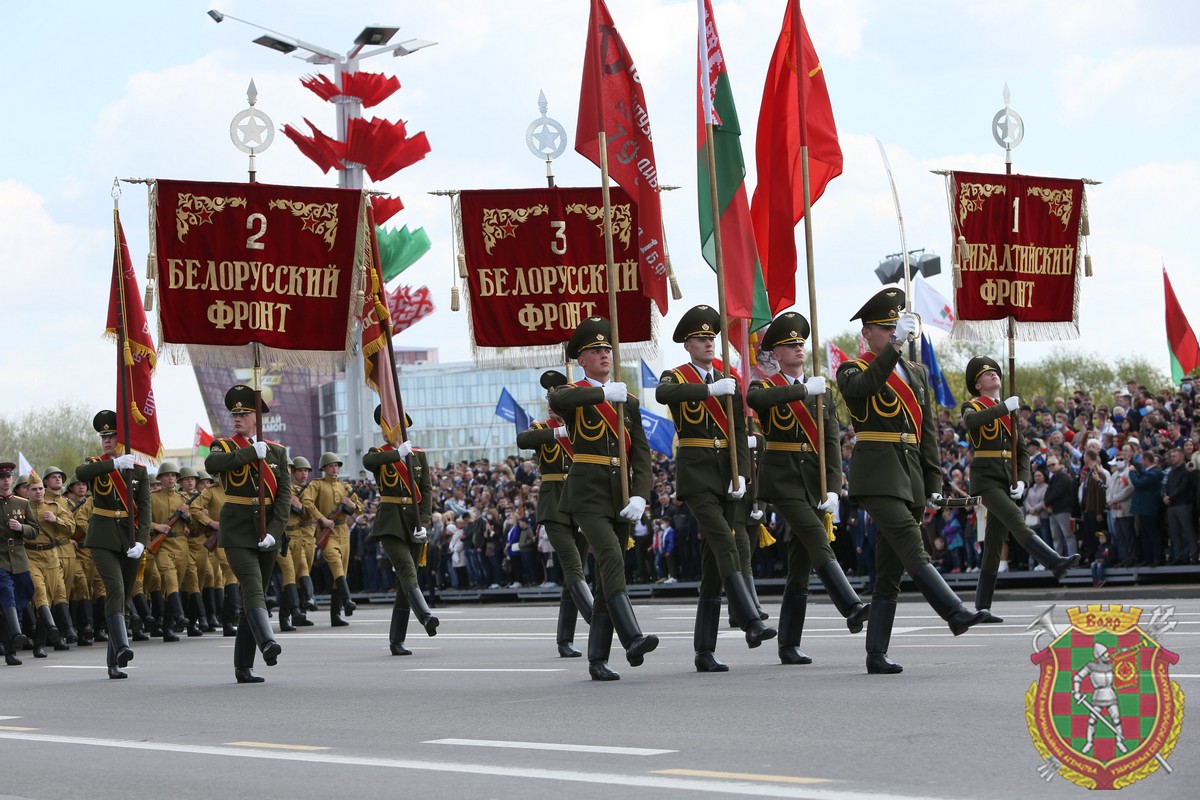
{"points": [[1115, 481]]}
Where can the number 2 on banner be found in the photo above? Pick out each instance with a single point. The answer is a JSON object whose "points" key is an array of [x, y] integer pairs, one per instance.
{"points": [[1016, 215], [252, 241], [558, 245]]}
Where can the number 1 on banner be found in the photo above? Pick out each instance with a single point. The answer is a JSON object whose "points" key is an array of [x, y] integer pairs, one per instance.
{"points": [[1016, 215], [252, 241]]}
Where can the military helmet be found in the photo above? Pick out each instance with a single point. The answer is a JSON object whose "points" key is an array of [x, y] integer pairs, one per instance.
{"points": [[300, 462], [51, 471], [21, 480], [240, 400], [203, 475], [698, 321], [788, 328], [71, 480], [105, 422], [979, 365], [187, 472], [592, 332], [882, 309], [330, 458], [168, 467]]}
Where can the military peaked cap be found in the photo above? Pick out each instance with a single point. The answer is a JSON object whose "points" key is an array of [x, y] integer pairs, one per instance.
{"points": [[788, 328]]}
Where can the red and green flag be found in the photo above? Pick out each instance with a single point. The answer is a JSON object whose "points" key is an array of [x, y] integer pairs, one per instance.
{"points": [[745, 291], [1181, 339], [201, 442]]}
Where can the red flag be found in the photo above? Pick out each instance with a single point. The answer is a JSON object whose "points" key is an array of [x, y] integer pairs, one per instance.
{"points": [[834, 357], [136, 360], [379, 368], [201, 442], [778, 202], [408, 306], [1181, 339], [611, 101]]}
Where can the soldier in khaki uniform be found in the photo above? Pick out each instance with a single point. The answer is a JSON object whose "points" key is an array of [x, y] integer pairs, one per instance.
{"points": [[989, 429], [291, 612], [402, 525], [894, 468], [49, 590], [332, 504], [704, 481], [16, 586], [119, 488], [206, 620], [250, 530], [592, 491], [83, 517], [82, 578], [790, 480], [550, 440], [302, 541], [169, 525], [206, 512]]}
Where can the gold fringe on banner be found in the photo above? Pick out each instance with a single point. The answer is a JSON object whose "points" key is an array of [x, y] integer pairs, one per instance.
{"points": [[829, 528], [424, 553], [765, 539]]}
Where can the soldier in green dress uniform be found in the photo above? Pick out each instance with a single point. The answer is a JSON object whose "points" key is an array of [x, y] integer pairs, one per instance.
{"points": [[694, 392], [245, 463], [592, 490], [549, 438], [16, 585], [989, 429], [894, 469], [402, 524], [119, 487], [790, 480]]}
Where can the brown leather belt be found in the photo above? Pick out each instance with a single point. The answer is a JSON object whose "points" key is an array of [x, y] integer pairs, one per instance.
{"points": [[603, 461], [710, 444], [43, 547], [791, 447], [993, 453]]}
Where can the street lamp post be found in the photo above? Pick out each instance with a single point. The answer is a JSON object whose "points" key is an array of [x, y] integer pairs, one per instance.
{"points": [[377, 37]]}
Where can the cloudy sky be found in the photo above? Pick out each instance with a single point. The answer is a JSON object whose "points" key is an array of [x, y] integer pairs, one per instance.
{"points": [[1107, 90]]}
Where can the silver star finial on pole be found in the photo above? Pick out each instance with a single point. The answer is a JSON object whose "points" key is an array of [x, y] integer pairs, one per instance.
{"points": [[546, 138]]}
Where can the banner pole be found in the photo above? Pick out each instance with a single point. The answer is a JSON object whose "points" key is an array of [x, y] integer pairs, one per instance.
{"points": [[123, 392], [609, 272], [1014, 415]]}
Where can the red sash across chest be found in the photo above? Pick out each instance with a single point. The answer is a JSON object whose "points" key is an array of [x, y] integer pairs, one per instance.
{"points": [[565, 444], [402, 470], [609, 415], [1005, 420], [903, 391], [799, 411], [268, 475], [689, 374], [122, 488]]}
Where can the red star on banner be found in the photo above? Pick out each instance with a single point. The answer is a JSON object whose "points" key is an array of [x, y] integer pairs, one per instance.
{"points": [[310, 224], [508, 231]]}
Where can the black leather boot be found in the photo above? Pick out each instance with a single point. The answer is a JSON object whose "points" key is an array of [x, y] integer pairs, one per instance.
{"points": [[984, 590], [763, 615], [599, 647], [843, 596], [416, 601], [212, 609], [306, 590], [791, 628], [298, 617], [195, 615], [119, 651], [146, 615], [1045, 555], [565, 635], [29, 624], [12, 620], [582, 596], [174, 607], [944, 601], [99, 620], [704, 636], [348, 605], [398, 630], [47, 632], [742, 608], [83, 617], [285, 611], [158, 611], [260, 627], [137, 626], [231, 609], [625, 623], [879, 634], [66, 626], [7, 637], [243, 656], [335, 606]]}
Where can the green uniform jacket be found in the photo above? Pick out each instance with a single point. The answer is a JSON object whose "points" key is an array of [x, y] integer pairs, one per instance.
{"points": [[400, 519], [792, 473], [239, 521], [987, 434], [595, 488], [12, 545], [909, 471], [553, 465], [109, 532], [702, 470]]}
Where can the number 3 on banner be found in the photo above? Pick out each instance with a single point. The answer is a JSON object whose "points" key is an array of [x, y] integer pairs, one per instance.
{"points": [[252, 241], [558, 245], [1016, 215]]}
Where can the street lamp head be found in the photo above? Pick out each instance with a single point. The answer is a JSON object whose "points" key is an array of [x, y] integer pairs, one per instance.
{"points": [[277, 43], [375, 36], [409, 46], [216, 15]]}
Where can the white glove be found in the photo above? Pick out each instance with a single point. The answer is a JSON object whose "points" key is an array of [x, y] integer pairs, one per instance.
{"points": [[136, 551], [756, 515], [1012, 403], [633, 511], [815, 385], [260, 450], [405, 449], [740, 491], [722, 387], [1017, 490], [831, 503], [560, 432], [123, 462], [752, 441], [267, 543], [615, 392], [906, 326], [934, 501], [420, 535]]}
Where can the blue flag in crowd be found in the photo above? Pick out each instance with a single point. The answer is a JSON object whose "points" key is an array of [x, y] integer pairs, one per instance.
{"points": [[937, 379], [649, 380], [660, 431], [509, 409]]}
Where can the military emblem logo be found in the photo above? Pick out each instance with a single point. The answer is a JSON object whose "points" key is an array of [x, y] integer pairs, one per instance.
{"points": [[1104, 712]]}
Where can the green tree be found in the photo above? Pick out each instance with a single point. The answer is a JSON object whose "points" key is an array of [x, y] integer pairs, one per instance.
{"points": [[60, 436]]}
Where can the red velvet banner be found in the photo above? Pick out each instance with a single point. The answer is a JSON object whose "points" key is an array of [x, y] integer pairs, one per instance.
{"points": [[1022, 235], [251, 262], [536, 265]]}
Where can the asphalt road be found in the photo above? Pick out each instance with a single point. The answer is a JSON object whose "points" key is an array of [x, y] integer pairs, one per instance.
{"points": [[487, 710]]}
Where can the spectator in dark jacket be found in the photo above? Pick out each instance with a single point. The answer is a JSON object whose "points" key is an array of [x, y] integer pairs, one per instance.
{"points": [[1060, 502], [1147, 506], [1178, 494]]}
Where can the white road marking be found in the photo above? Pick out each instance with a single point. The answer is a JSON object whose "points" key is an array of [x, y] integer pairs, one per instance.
{"points": [[566, 748], [481, 669], [79, 666], [719, 787]]}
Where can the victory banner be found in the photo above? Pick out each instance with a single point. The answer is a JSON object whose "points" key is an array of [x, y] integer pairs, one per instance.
{"points": [[1023, 254], [242, 263], [536, 265]]}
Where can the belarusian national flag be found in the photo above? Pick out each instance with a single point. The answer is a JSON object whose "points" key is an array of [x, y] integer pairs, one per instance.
{"points": [[745, 292], [1181, 339], [201, 442]]}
